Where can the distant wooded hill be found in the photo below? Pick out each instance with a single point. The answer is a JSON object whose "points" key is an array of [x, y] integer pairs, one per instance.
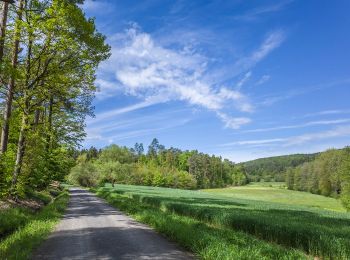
{"points": [[274, 168], [326, 173]]}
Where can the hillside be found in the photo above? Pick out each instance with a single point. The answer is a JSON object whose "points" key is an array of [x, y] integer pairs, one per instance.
{"points": [[274, 168]]}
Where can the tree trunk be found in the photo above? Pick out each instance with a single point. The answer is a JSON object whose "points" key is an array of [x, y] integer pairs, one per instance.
{"points": [[25, 120], [49, 125], [37, 117], [9, 94], [20, 151], [3, 23]]}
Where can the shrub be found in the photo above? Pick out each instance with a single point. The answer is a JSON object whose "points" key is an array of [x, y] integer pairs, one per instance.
{"points": [[84, 174]]}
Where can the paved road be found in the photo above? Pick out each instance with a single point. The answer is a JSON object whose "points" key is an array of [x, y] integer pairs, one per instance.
{"points": [[91, 229]]}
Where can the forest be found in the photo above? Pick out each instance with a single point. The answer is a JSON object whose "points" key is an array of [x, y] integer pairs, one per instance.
{"points": [[157, 167], [49, 53], [274, 168], [328, 175]]}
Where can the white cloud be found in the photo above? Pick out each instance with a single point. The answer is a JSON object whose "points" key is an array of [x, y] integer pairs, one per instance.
{"points": [[328, 112], [272, 41], [256, 12], [339, 131], [97, 6], [243, 80], [143, 68], [256, 142], [233, 122], [312, 123], [263, 79], [94, 134], [123, 110], [301, 90]]}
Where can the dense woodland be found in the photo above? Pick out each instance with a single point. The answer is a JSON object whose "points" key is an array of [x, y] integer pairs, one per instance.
{"points": [[274, 168], [157, 167], [49, 52], [328, 175]]}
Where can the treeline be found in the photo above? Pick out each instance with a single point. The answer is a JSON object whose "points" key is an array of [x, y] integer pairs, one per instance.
{"points": [[49, 52], [328, 175], [274, 168], [158, 167]]}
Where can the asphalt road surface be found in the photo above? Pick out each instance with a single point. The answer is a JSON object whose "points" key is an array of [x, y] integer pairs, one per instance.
{"points": [[91, 229]]}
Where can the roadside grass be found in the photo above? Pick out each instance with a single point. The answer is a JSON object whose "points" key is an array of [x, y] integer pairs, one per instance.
{"points": [[319, 233], [34, 229], [206, 241], [15, 217]]}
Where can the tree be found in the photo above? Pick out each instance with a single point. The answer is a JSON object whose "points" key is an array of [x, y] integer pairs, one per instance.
{"points": [[11, 84], [139, 149], [55, 51], [345, 179]]}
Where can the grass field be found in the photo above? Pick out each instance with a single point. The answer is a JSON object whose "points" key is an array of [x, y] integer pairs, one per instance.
{"points": [[277, 192], [224, 222]]}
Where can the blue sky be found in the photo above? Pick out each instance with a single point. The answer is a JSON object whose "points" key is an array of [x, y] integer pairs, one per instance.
{"points": [[240, 79]]}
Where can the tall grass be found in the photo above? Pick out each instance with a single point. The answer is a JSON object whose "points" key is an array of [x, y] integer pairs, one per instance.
{"points": [[13, 218], [206, 241], [19, 244], [318, 233]]}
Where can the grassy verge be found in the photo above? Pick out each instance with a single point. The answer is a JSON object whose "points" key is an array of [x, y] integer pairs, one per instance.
{"points": [[325, 234], [19, 244], [206, 241], [15, 217]]}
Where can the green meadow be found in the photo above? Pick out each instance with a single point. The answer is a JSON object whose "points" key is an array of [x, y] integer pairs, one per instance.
{"points": [[258, 221], [277, 192]]}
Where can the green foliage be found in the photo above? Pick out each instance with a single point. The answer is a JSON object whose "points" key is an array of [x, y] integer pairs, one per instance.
{"points": [[84, 174], [318, 233], [327, 175], [345, 179], [274, 168], [52, 85], [160, 167]]}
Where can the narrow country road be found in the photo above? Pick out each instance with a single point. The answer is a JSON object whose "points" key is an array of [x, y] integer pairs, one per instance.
{"points": [[91, 229]]}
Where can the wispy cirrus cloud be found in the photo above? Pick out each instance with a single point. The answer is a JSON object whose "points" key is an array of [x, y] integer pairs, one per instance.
{"points": [[97, 7], [336, 132], [263, 79], [307, 124], [256, 142], [271, 99], [100, 135], [339, 131], [245, 78], [328, 112], [144, 68], [246, 63], [253, 14]]}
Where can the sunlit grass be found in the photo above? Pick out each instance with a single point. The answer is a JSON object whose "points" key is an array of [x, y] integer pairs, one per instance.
{"points": [[20, 243], [317, 232], [277, 192], [206, 241]]}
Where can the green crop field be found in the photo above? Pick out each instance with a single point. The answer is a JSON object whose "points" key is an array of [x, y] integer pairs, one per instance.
{"points": [[277, 192], [252, 222]]}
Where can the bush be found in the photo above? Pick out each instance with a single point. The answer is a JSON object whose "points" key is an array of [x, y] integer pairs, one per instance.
{"points": [[84, 174]]}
